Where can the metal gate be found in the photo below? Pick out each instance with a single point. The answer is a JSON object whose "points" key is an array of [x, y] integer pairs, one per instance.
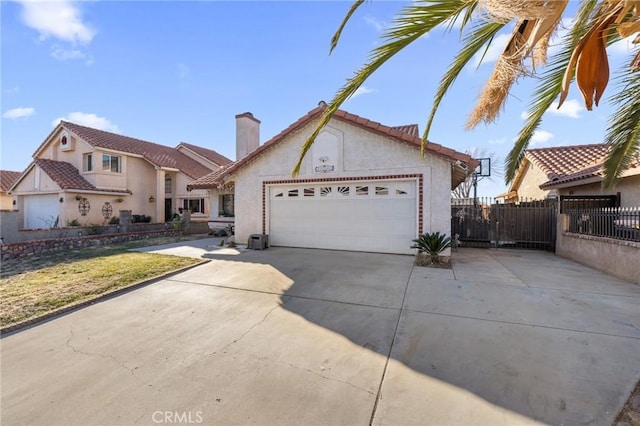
{"points": [[526, 224]]}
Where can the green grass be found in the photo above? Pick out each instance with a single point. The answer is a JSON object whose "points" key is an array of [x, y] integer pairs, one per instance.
{"points": [[36, 292]]}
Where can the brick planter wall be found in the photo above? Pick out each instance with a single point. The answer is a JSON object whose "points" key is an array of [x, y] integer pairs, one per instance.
{"points": [[40, 247]]}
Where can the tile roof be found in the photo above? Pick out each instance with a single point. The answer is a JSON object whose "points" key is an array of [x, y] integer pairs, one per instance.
{"points": [[593, 171], [7, 179], [412, 129], [561, 161], [398, 134], [158, 155], [67, 176], [209, 154]]}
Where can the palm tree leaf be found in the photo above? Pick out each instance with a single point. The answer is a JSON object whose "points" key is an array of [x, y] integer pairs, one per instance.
{"points": [[549, 88], [479, 36], [623, 133], [412, 23], [336, 37]]}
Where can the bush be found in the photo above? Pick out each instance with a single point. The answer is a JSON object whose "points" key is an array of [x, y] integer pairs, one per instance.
{"points": [[432, 244], [74, 222], [115, 220]]}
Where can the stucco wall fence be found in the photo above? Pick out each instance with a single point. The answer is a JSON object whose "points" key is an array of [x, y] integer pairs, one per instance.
{"points": [[41, 247], [616, 257]]}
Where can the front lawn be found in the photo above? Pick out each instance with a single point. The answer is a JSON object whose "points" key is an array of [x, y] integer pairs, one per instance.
{"points": [[36, 292]]}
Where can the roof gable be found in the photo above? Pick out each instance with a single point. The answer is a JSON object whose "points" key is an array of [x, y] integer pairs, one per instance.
{"points": [[156, 154], [407, 135], [565, 160]]}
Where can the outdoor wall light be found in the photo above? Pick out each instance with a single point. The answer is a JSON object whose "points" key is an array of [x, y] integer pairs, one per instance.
{"points": [[152, 199], [61, 200]]}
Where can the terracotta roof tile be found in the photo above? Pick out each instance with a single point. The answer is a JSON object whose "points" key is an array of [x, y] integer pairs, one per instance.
{"points": [[560, 161], [411, 129], [209, 154], [67, 177], [402, 137], [7, 179], [158, 155], [592, 171]]}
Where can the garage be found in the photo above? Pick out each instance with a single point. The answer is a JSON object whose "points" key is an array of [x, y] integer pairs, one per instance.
{"points": [[40, 211], [371, 216]]}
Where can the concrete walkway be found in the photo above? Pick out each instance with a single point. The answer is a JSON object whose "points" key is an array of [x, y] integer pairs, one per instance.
{"points": [[290, 336]]}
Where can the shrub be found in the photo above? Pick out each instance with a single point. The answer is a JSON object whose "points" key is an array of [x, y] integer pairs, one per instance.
{"points": [[432, 244], [115, 220], [74, 222]]}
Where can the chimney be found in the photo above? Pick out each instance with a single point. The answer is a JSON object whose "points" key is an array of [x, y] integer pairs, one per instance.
{"points": [[247, 134]]}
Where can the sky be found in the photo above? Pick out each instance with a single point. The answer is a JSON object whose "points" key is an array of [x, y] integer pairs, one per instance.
{"points": [[179, 71]]}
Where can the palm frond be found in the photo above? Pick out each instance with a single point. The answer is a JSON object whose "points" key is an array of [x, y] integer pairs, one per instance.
{"points": [[412, 23], [623, 133], [336, 37], [548, 89], [480, 35]]}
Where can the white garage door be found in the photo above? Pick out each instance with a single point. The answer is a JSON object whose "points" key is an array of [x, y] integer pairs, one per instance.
{"points": [[40, 211], [377, 216]]}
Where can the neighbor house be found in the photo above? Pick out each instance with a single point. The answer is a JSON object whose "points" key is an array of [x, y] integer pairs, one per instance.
{"points": [[363, 186], [84, 175], [572, 172], [7, 179]]}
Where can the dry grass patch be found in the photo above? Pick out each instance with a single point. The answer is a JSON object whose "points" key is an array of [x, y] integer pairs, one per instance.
{"points": [[36, 292]]}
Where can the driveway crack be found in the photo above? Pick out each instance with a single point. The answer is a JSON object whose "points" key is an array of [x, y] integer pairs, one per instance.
{"points": [[109, 356]]}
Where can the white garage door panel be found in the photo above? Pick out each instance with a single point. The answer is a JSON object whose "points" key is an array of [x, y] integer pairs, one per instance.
{"points": [[41, 211], [368, 216]]}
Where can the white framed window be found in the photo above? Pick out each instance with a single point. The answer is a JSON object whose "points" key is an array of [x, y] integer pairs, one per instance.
{"points": [[168, 183], [111, 163], [194, 205], [87, 162]]}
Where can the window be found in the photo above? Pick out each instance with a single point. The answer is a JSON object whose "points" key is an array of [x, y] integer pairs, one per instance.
{"points": [[325, 191], [362, 190], [309, 192], [226, 205], [382, 190], [87, 162], [167, 184], [293, 193], [194, 205], [344, 190], [111, 163]]}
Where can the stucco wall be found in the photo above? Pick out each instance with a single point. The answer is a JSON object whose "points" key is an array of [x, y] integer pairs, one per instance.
{"points": [[529, 186], [360, 153], [615, 257], [6, 202], [629, 189]]}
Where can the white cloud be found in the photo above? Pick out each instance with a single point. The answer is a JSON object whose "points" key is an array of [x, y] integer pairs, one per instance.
{"points": [[495, 50], [362, 90], [540, 137], [20, 112], [375, 23], [89, 120], [499, 141], [570, 108], [58, 19], [63, 54], [555, 43]]}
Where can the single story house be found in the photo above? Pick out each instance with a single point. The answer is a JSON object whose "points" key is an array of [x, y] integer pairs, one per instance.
{"points": [[363, 186], [572, 172], [7, 179], [84, 175]]}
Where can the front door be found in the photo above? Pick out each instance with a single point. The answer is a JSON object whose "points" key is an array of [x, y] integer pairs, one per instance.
{"points": [[167, 210]]}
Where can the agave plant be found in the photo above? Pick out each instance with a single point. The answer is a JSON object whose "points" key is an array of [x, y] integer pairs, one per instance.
{"points": [[597, 24], [432, 244]]}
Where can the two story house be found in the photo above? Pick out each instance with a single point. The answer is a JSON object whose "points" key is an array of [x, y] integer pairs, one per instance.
{"points": [[86, 176]]}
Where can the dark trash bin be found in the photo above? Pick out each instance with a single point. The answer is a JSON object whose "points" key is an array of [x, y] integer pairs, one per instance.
{"points": [[258, 241]]}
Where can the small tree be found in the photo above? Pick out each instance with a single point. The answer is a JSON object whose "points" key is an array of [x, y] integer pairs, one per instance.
{"points": [[432, 244]]}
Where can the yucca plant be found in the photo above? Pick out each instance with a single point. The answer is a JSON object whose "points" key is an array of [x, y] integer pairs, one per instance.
{"points": [[433, 244], [583, 58]]}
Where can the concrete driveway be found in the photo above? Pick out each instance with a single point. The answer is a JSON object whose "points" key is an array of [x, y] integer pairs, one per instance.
{"points": [[291, 336]]}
